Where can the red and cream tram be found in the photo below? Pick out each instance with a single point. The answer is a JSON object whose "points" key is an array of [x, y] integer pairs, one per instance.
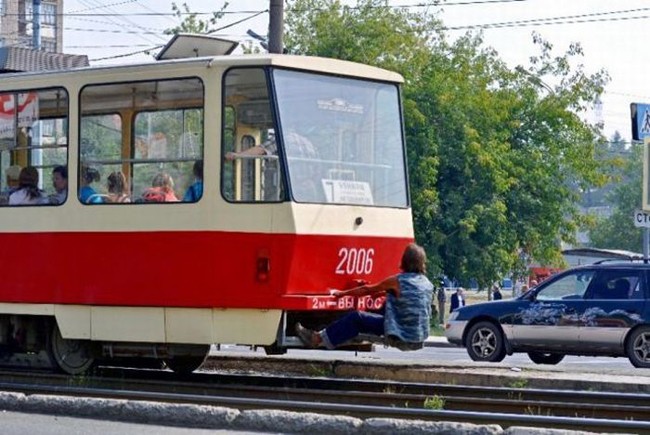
{"points": [[323, 203]]}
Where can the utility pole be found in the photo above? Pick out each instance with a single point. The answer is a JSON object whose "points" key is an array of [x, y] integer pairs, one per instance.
{"points": [[36, 30], [276, 26]]}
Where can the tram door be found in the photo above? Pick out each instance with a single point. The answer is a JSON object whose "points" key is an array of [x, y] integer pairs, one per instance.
{"points": [[256, 177], [249, 132]]}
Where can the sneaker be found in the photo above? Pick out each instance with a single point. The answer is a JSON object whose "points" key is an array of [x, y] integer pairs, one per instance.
{"points": [[307, 336]]}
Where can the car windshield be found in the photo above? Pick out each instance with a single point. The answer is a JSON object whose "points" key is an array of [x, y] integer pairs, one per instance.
{"points": [[342, 139], [571, 286]]}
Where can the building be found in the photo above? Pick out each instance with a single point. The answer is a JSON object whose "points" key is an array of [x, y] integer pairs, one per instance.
{"points": [[17, 29], [27, 47]]}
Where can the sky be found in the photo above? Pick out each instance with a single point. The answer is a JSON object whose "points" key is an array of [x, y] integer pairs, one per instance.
{"points": [[612, 34]]}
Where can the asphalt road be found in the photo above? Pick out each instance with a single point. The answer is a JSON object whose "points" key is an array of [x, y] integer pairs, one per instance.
{"points": [[16, 423], [458, 356]]}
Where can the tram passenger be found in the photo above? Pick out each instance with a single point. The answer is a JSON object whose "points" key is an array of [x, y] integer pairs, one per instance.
{"points": [[303, 164], [87, 194], [117, 187], [405, 322], [60, 183], [195, 191], [162, 189], [296, 144], [28, 193], [11, 173]]}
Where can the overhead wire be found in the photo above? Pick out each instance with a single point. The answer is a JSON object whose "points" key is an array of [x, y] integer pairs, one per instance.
{"points": [[567, 19], [129, 23], [162, 45], [142, 5], [97, 7]]}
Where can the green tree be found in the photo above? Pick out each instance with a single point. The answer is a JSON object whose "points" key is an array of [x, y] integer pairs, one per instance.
{"points": [[391, 38], [617, 231], [496, 155], [191, 23], [616, 142]]}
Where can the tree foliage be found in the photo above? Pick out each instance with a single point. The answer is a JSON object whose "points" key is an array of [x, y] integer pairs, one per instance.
{"points": [[191, 23], [496, 154], [617, 231]]}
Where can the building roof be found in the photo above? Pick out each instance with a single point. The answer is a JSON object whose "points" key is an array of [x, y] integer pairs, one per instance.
{"points": [[14, 59]]}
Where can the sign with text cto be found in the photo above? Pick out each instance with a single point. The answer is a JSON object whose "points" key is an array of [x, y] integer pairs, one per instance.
{"points": [[641, 219], [641, 131]]}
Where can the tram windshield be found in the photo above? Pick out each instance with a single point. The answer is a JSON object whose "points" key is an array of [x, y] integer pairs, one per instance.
{"points": [[342, 139], [328, 139]]}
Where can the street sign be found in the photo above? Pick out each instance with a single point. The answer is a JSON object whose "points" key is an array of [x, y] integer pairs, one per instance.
{"points": [[641, 131], [641, 219], [645, 200], [640, 120]]}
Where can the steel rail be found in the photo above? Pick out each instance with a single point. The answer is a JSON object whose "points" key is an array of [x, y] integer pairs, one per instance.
{"points": [[360, 411], [288, 391]]}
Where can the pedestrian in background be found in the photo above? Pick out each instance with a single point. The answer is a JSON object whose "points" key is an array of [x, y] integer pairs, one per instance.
{"points": [[457, 299], [496, 293], [442, 298]]}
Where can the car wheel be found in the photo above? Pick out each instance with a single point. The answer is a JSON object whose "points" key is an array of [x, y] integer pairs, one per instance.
{"points": [[485, 342], [545, 358], [638, 347]]}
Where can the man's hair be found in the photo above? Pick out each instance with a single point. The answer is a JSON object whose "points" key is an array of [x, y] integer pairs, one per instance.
{"points": [[62, 171], [414, 259]]}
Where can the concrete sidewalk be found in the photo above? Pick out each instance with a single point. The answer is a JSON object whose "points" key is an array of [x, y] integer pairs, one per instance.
{"points": [[437, 341]]}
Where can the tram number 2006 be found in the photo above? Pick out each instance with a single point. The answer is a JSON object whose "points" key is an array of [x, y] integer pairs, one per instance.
{"points": [[355, 261]]}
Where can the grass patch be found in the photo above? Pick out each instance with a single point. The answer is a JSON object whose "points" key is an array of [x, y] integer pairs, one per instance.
{"points": [[435, 403], [436, 330], [518, 383]]}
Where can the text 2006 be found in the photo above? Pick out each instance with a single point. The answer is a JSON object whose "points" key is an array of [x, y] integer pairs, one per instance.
{"points": [[353, 261]]}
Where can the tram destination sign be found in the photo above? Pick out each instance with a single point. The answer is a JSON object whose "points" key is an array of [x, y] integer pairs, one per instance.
{"points": [[641, 219]]}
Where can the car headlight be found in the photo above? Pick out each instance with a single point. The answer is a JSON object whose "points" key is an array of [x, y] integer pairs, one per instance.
{"points": [[452, 316]]}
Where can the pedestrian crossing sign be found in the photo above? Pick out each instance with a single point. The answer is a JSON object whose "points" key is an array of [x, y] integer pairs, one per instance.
{"points": [[641, 131], [646, 175], [640, 120]]}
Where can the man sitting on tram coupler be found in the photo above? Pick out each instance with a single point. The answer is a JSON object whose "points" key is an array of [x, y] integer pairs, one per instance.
{"points": [[405, 323]]}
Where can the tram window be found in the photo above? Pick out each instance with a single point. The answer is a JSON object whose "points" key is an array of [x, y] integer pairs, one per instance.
{"points": [[252, 171], [150, 135], [33, 141], [342, 139]]}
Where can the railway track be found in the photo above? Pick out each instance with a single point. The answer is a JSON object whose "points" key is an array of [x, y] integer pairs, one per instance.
{"points": [[602, 412]]}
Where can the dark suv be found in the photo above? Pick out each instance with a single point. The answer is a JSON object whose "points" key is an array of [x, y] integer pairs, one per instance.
{"points": [[599, 309]]}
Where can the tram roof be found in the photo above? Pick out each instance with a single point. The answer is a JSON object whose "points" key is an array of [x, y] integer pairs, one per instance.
{"points": [[307, 63]]}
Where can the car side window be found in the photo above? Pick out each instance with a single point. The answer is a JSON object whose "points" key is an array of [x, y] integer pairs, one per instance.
{"points": [[637, 291], [571, 286], [616, 284]]}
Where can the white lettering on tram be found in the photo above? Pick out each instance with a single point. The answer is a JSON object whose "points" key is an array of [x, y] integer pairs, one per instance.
{"points": [[348, 303], [353, 261]]}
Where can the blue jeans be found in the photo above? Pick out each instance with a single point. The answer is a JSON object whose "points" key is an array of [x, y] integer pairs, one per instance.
{"points": [[351, 325]]}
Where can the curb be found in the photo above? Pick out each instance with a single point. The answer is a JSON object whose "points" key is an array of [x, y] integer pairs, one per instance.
{"points": [[438, 342]]}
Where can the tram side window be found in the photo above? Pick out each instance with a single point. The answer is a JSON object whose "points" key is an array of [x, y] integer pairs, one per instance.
{"points": [[142, 142], [33, 143], [251, 170]]}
